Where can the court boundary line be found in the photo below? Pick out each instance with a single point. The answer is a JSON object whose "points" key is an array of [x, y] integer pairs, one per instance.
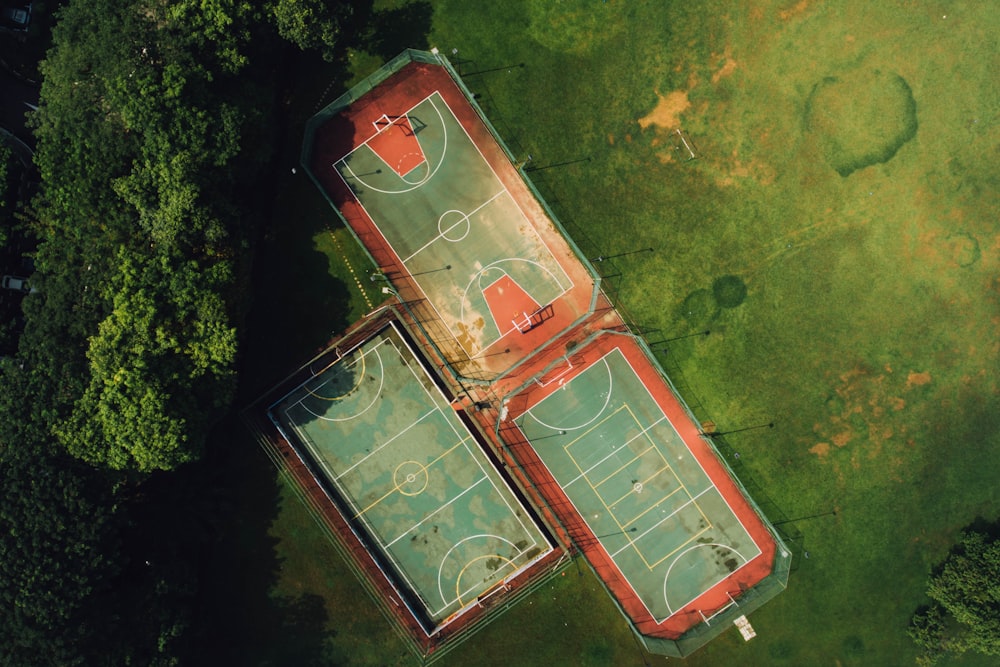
{"points": [[364, 144], [382, 547], [583, 517], [395, 251], [444, 398], [626, 407], [508, 561], [705, 472], [746, 561], [368, 407], [607, 401]]}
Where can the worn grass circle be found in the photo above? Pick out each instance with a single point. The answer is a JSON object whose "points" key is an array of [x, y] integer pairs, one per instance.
{"points": [[729, 291], [860, 118], [700, 307]]}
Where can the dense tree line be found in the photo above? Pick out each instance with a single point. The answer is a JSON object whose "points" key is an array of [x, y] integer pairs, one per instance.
{"points": [[149, 134], [964, 614]]}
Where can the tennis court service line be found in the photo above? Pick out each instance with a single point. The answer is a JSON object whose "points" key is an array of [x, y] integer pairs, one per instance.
{"points": [[614, 452]]}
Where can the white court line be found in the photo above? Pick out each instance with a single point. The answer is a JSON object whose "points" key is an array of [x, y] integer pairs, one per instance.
{"points": [[378, 392], [666, 577], [607, 399], [517, 207], [448, 553], [441, 235], [405, 532], [387, 442], [613, 452], [691, 499], [431, 173], [464, 440], [700, 466]]}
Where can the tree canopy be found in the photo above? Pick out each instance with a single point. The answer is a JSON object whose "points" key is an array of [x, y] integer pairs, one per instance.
{"points": [[964, 614]]}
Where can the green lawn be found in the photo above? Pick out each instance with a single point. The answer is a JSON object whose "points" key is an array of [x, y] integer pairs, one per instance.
{"points": [[847, 177]]}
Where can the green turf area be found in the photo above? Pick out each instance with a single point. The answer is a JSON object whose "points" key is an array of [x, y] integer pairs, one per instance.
{"points": [[858, 312], [870, 299]]}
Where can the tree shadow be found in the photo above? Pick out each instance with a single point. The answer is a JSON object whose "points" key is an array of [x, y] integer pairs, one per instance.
{"points": [[389, 31], [239, 621]]}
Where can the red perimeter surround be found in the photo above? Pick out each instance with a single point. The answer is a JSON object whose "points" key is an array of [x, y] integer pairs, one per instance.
{"points": [[713, 599], [350, 128]]}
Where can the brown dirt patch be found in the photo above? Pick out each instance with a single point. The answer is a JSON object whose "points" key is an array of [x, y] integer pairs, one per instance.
{"points": [[820, 449], [794, 10], [728, 66], [667, 113], [915, 379]]}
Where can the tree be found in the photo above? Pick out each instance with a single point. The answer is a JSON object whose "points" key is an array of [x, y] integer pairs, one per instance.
{"points": [[311, 24], [965, 611]]}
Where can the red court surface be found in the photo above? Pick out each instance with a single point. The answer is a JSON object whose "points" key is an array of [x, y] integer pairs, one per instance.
{"points": [[430, 291], [396, 143], [599, 550]]}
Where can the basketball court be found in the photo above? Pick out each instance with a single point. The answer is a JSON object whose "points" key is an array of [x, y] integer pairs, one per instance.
{"points": [[450, 221], [410, 477], [655, 502]]}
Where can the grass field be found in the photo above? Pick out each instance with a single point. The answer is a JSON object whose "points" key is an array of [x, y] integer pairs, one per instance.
{"points": [[838, 235]]}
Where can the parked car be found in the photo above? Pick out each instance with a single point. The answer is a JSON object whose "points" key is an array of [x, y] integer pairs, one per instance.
{"points": [[15, 283]]}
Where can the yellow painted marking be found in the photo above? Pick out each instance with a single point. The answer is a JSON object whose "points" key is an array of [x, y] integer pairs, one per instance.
{"points": [[347, 263], [406, 480], [458, 579], [609, 509], [361, 377], [396, 487]]}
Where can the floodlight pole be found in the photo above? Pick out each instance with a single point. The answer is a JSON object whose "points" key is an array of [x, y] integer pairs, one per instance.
{"points": [[601, 258], [671, 340], [716, 434], [495, 69], [832, 512], [558, 164], [618, 532]]}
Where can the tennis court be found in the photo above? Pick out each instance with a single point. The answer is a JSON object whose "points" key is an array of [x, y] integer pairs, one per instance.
{"points": [[448, 218], [410, 477], [632, 464]]}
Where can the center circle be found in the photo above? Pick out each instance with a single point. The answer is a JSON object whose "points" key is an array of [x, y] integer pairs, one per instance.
{"points": [[410, 478], [454, 225], [638, 487]]}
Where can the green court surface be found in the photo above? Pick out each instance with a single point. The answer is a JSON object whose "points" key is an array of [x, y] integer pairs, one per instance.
{"points": [[641, 490], [410, 476], [452, 222]]}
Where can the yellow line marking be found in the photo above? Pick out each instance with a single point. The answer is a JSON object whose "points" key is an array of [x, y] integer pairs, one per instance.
{"points": [[458, 579], [396, 487], [347, 263], [361, 378], [609, 509]]}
